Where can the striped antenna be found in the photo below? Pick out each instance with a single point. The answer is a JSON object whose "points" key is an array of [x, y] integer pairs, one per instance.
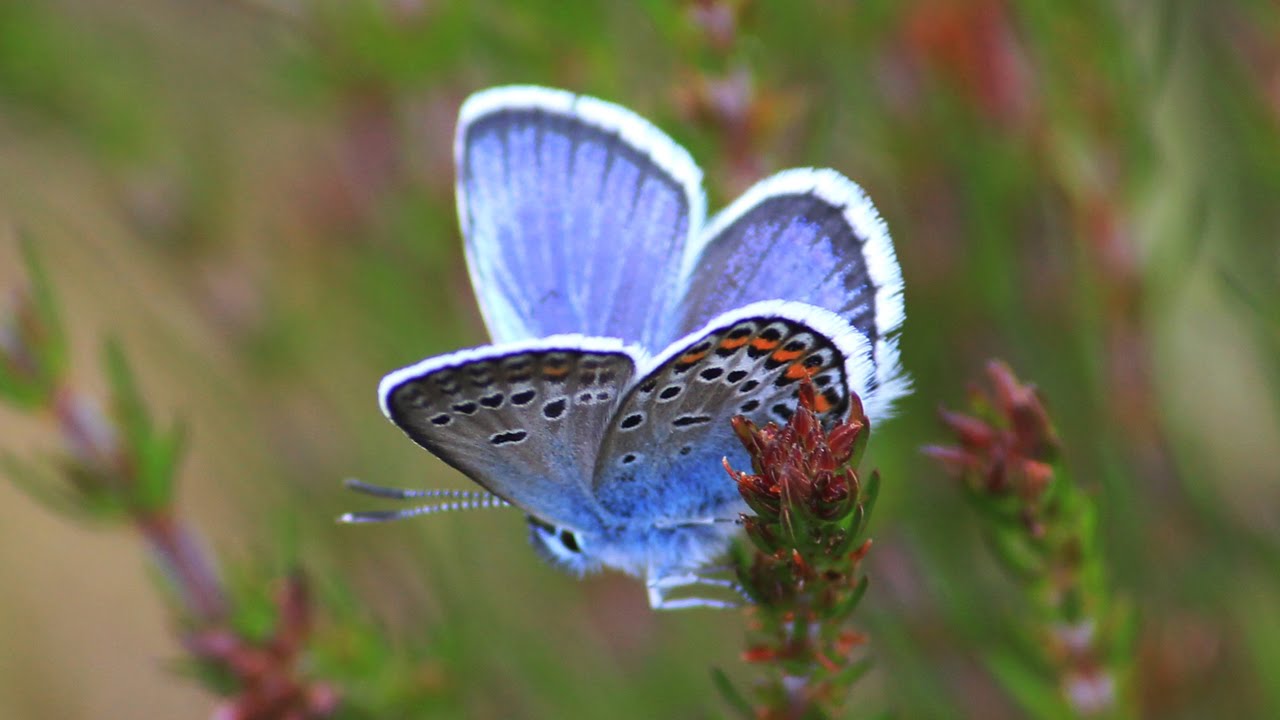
{"points": [[698, 522], [462, 500]]}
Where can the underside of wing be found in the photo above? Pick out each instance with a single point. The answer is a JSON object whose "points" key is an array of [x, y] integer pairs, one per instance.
{"points": [[661, 457], [809, 236], [523, 420], [576, 214]]}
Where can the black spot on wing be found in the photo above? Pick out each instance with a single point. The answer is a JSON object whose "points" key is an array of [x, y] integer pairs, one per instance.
{"points": [[554, 409], [511, 436], [711, 373], [784, 380]]}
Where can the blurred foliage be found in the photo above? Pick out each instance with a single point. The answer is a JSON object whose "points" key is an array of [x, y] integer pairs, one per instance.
{"points": [[255, 197], [1076, 654], [33, 353]]}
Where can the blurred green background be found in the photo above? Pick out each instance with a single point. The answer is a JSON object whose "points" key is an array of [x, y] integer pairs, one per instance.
{"points": [[256, 198]]}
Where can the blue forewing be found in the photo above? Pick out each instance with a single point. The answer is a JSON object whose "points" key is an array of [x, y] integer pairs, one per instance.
{"points": [[576, 215]]}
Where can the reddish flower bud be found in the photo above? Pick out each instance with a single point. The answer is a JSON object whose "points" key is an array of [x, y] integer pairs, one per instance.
{"points": [[970, 431], [841, 440], [956, 460], [759, 653], [861, 552], [1026, 416], [848, 640], [1005, 453], [805, 493]]}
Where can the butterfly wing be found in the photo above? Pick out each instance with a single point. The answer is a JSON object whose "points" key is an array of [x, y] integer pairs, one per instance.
{"points": [[661, 457], [523, 420], [576, 213], [809, 236]]}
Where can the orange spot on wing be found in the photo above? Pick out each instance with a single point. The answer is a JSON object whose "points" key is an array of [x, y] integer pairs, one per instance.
{"points": [[555, 370], [690, 358], [787, 355], [822, 403], [762, 344], [733, 343], [798, 370]]}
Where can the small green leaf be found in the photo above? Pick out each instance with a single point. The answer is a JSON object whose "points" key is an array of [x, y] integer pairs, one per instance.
{"points": [[157, 467], [1039, 697], [42, 487], [1010, 547], [849, 604], [33, 352], [51, 347], [731, 695], [126, 401], [13, 387], [852, 530], [154, 455], [99, 491], [870, 491]]}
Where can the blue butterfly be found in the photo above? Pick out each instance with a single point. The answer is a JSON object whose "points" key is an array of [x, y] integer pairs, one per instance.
{"points": [[627, 331]]}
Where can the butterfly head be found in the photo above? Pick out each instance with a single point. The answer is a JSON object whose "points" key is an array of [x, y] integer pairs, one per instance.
{"points": [[632, 548], [564, 547]]}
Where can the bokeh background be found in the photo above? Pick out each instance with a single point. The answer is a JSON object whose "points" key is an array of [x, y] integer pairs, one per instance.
{"points": [[255, 197]]}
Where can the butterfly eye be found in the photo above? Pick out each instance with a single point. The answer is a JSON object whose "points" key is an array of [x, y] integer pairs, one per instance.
{"points": [[561, 546], [569, 539]]}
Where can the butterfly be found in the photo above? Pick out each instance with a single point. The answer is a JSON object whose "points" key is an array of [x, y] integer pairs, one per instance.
{"points": [[628, 329]]}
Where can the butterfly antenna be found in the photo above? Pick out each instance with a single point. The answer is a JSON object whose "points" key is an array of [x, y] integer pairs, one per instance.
{"points": [[402, 494], [700, 522], [462, 500]]}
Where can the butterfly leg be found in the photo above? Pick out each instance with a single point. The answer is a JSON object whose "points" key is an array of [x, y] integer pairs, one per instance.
{"points": [[660, 586]]}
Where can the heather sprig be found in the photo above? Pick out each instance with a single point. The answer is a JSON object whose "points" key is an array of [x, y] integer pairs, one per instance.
{"points": [[1042, 527], [809, 509], [33, 345], [118, 466]]}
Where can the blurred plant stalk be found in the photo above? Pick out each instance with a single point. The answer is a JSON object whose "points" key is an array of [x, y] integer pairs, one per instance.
{"points": [[118, 467], [1043, 529], [719, 91], [809, 510]]}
